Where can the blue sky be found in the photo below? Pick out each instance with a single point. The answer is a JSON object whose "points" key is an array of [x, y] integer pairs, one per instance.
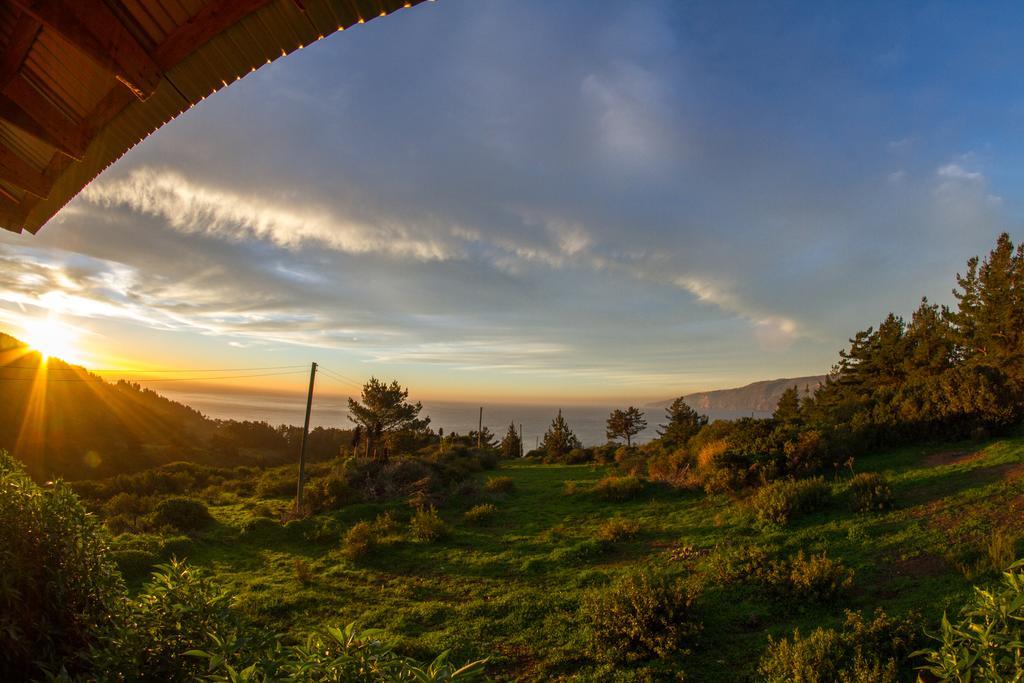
{"points": [[529, 200]]}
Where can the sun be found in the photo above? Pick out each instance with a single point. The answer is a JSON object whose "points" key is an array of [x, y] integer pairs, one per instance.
{"points": [[52, 338]]}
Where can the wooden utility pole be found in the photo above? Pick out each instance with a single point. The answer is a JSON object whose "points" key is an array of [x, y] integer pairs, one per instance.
{"points": [[480, 430], [522, 450], [305, 437]]}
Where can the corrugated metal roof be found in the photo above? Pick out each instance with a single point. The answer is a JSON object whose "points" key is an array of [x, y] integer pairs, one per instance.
{"points": [[73, 78]]}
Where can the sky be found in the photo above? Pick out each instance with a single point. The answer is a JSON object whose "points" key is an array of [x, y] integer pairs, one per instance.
{"points": [[523, 200]]}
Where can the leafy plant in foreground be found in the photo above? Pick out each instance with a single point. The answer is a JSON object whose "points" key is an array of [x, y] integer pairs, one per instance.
{"points": [[58, 586], [987, 642]]}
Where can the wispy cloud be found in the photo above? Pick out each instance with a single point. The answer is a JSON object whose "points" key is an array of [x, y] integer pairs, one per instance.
{"points": [[196, 208]]}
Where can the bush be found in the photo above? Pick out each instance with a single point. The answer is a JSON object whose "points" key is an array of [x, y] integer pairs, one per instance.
{"points": [[985, 642], [360, 540], [737, 564], [643, 614], [618, 489], [182, 514], [258, 525], [480, 514], [862, 651], [871, 492], [723, 480], [499, 485], [134, 563], [426, 525], [618, 529], [817, 578], [385, 523], [57, 583], [327, 493], [781, 501], [280, 482], [179, 610]]}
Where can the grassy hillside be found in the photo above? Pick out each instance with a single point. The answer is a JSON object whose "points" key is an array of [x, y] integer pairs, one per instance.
{"points": [[511, 587]]}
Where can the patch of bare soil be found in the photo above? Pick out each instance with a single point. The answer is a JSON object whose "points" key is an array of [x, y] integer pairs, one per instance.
{"points": [[921, 566], [951, 457]]}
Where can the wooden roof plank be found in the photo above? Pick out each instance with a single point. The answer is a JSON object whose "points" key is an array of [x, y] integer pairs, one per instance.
{"points": [[17, 171], [93, 28], [25, 32], [66, 141], [62, 129], [211, 21]]}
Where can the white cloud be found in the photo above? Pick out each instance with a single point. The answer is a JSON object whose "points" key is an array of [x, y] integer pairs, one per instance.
{"points": [[194, 208]]}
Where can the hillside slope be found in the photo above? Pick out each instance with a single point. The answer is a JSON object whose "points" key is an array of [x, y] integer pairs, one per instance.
{"points": [[755, 397], [63, 421]]}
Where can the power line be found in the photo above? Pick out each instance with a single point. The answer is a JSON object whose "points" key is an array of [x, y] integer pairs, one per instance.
{"points": [[338, 377], [151, 379], [158, 370]]}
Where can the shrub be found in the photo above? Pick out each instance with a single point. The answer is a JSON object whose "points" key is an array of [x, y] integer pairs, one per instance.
{"points": [[677, 469], [327, 493], [740, 563], [127, 508], [618, 529], [781, 501], [723, 480], [176, 547], [426, 525], [57, 583], [618, 489], [480, 514], [643, 614], [360, 540], [134, 563], [985, 642], [183, 514], [280, 482], [385, 523], [806, 454], [571, 487], [579, 552], [862, 651], [816, 578], [179, 610], [871, 492], [258, 525], [710, 454], [499, 485]]}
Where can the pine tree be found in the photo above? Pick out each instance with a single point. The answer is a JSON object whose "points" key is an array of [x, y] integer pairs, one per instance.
{"points": [[510, 446], [383, 411], [625, 424], [559, 438], [683, 424], [788, 409], [990, 318]]}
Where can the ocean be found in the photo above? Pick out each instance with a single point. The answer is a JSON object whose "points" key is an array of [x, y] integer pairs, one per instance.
{"points": [[587, 421]]}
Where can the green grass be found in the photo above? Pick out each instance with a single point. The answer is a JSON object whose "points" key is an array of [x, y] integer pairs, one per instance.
{"points": [[510, 589]]}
